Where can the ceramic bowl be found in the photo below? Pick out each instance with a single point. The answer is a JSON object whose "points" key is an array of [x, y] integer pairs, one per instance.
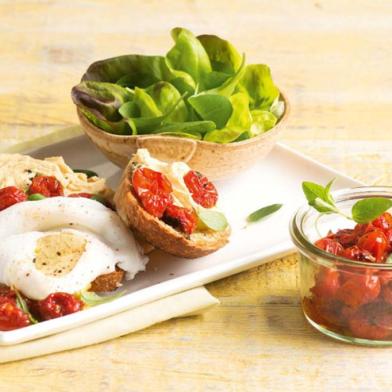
{"points": [[212, 159]]}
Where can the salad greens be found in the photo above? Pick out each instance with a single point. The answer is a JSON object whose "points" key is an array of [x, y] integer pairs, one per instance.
{"points": [[363, 211], [201, 89]]}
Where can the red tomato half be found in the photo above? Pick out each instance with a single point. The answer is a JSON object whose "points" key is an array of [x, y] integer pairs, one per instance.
{"points": [[11, 195], [374, 242], [47, 186], [153, 189], [359, 290]]}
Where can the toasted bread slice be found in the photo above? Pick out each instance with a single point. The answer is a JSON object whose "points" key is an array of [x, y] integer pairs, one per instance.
{"points": [[108, 282], [157, 232]]}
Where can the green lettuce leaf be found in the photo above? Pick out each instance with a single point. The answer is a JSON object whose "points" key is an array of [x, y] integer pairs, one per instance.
{"points": [[262, 121], [164, 95], [238, 123], [258, 84], [212, 107], [117, 127], [223, 56], [102, 99], [189, 55]]}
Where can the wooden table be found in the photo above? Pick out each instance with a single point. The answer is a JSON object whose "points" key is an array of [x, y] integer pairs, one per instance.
{"points": [[334, 61]]}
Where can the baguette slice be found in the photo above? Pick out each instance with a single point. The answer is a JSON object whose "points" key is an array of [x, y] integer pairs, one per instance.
{"points": [[157, 232]]}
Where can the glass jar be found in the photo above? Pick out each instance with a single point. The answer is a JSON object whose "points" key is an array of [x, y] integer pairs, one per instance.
{"points": [[344, 299]]}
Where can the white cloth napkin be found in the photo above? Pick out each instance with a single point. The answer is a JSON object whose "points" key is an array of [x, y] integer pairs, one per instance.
{"points": [[187, 303]]}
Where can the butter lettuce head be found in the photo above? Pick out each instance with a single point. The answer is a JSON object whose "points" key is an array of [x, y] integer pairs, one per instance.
{"points": [[201, 89]]}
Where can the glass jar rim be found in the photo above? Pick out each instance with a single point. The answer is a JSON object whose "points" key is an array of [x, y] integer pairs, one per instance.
{"points": [[301, 241]]}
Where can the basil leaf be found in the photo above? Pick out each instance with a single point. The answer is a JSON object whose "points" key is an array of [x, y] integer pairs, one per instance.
{"points": [[213, 219], [21, 303], [366, 210], [88, 173], [263, 212], [319, 197], [92, 299], [36, 197]]}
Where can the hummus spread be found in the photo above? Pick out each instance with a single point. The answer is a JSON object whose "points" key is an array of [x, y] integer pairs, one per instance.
{"points": [[19, 170]]}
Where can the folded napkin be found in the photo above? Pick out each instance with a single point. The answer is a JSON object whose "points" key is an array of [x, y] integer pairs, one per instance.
{"points": [[187, 303]]}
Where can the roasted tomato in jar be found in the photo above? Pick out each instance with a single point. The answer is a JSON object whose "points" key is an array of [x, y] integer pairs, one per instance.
{"points": [[47, 186], [153, 189], [11, 195], [351, 299], [374, 242]]}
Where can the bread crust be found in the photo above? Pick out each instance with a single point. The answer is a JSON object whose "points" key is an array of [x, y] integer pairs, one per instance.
{"points": [[107, 282], [157, 232]]}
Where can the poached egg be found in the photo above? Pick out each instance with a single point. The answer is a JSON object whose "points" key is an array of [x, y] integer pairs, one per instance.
{"points": [[63, 244]]}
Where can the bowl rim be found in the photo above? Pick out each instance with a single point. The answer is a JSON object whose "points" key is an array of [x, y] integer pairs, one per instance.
{"points": [[123, 138], [307, 248]]}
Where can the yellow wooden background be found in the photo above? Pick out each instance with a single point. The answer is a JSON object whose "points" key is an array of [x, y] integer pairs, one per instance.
{"points": [[333, 59]]}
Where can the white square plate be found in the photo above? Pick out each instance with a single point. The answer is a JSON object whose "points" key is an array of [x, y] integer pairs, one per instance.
{"points": [[276, 179]]}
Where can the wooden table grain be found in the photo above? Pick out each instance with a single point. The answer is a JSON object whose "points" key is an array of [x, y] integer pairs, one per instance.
{"points": [[333, 59]]}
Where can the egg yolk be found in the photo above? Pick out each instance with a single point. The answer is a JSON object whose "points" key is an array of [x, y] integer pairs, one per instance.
{"points": [[57, 254]]}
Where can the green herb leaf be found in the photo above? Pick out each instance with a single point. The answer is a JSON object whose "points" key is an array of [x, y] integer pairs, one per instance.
{"points": [[92, 299], [213, 219], [36, 197], [263, 212], [319, 197], [88, 173], [21, 303], [366, 210]]}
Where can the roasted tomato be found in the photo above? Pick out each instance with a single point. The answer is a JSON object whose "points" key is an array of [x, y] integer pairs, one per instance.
{"points": [[359, 290], [329, 245], [180, 218], [345, 237], [57, 305], [327, 283], [362, 327], [153, 189], [82, 194], [12, 317], [202, 190], [383, 222], [357, 254], [11, 195], [374, 242], [47, 186], [362, 228]]}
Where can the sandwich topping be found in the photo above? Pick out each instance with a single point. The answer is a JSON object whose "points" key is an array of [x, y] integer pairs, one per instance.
{"points": [[57, 239], [173, 192]]}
